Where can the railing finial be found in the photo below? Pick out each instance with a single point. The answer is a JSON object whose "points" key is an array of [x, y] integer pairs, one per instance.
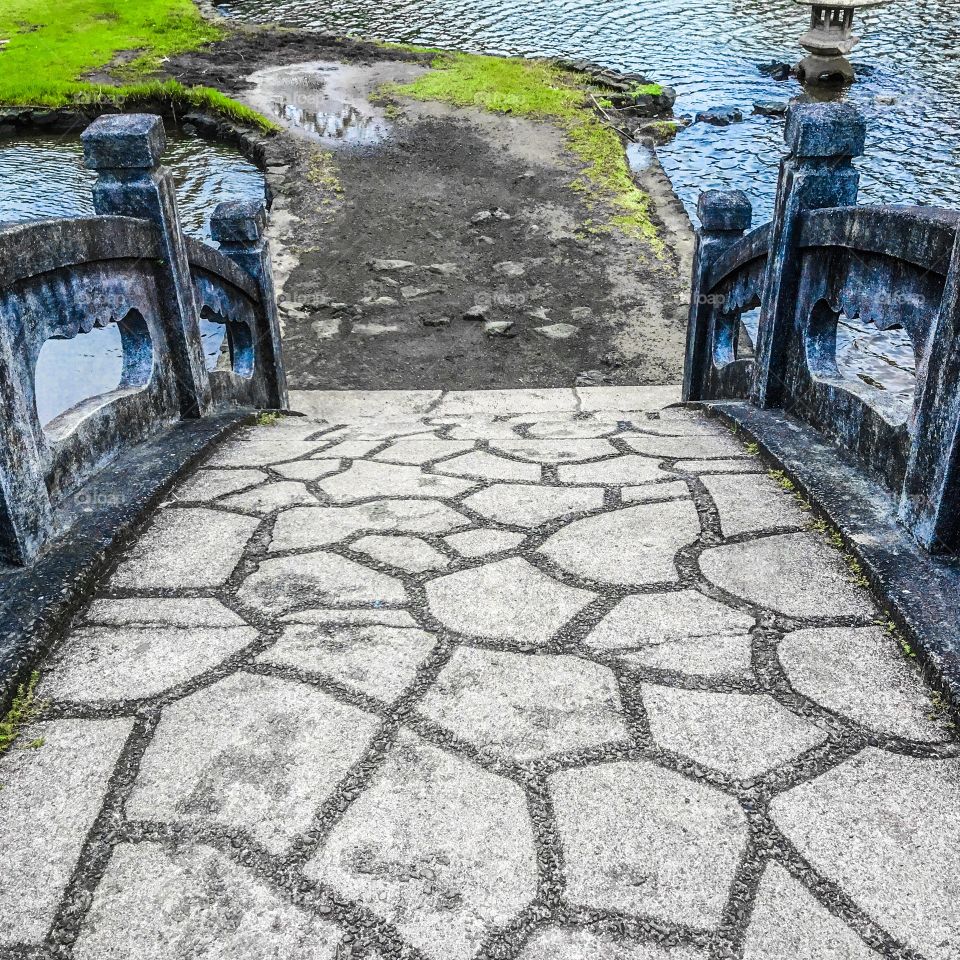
{"points": [[238, 222], [823, 138], [133, 141], [825, 130], [724, 210], [724, 217], [125, 151]]}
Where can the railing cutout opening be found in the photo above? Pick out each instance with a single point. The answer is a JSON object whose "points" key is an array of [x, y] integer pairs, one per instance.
{"points": [[877, 364], [747, 336], [75, 374], [885, 360], [735, 334], [216, 344], [227, 345]]}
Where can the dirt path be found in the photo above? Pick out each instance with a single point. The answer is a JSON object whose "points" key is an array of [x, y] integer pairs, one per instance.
{"points": [[477, 208]]}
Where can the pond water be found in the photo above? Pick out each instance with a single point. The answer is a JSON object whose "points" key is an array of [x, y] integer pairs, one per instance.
{"points": [[43, 177], [710, 52]]}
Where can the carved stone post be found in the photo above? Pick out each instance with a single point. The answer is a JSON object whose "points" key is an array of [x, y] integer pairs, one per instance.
{"points": [[239, 226], [26, 513], [822, 139], [930, 501], [724, 217], [125, 151]]}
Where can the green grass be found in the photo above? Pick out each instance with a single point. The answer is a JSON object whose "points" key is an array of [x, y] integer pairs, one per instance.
{"points": [[52, 44], [542, 91], [647, 90], [21, 712]]}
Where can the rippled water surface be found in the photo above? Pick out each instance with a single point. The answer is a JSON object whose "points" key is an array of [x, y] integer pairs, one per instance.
{"points": [[709, 51], [43, 177]]}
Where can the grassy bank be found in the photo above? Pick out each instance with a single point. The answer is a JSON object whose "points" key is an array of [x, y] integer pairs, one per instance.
{"points": [[47, 47], [542, 91]]}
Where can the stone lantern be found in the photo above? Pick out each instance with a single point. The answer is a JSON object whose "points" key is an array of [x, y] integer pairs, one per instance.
{"points": [[829, 40]]}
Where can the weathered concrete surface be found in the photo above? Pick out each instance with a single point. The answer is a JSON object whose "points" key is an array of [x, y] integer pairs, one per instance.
{"points": [[685, 632], [48, 803], [517, 749], [510, 601], [146, 909], [186, 548], [743, 735], [526, 707], [646, 841], [897, 859], [789, 922], [795, 574], [251, 752], [420, 849], [376, 659]]}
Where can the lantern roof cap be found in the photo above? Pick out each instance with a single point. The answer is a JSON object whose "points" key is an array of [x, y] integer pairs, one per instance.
{"points": [[841, 4]]}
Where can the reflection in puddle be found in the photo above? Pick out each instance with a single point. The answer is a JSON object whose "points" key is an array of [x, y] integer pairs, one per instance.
{"points": [[44, 177], [329, 101], [344, 123]]}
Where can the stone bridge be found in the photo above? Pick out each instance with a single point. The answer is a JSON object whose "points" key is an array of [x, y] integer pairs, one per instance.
{"points": [[554, 675]]}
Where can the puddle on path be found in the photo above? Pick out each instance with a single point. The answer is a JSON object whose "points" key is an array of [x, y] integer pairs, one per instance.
{"points": [[329, 101]]}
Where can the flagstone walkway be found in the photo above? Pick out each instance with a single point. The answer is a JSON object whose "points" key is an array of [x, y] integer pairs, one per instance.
{"points": [[556, 675]]}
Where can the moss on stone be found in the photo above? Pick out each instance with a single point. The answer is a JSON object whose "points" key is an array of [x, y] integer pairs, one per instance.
{"points": [[663, 129], [540, 90], [23, 709], [647, 90]]}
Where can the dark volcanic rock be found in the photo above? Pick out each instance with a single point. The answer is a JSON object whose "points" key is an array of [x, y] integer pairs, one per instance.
{"points": [[720, 116]]}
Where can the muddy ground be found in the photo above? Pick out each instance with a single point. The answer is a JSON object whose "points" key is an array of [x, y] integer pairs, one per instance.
{"points": [[478, 209]]}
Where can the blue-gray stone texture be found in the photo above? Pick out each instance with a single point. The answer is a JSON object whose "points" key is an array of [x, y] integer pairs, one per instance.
{"points": [[822, 256], [131, 266]]}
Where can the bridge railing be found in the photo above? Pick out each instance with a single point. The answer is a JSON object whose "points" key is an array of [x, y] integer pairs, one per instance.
{"points": [[823, 261], [133, 267]]}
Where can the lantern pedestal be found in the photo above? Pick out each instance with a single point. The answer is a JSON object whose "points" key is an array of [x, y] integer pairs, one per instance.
{"points": [[829, 40]]}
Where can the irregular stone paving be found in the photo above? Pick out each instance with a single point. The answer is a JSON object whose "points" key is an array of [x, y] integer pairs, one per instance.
{"points": [[549, 675]]}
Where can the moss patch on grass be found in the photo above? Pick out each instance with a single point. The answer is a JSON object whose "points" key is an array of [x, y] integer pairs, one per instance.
{"points": [[543, 91], [52, 44]]}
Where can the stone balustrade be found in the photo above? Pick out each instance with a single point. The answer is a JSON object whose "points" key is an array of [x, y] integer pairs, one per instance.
{"points": [[131, 266], [823, 258]]}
